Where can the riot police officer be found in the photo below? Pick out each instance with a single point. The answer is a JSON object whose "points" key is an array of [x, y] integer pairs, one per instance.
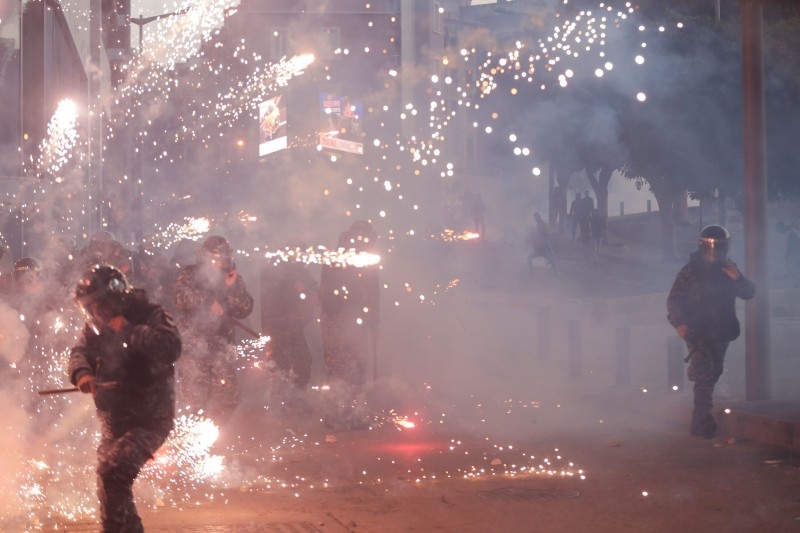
{"points": [[125, 358], [701, 306], [211, 296]]}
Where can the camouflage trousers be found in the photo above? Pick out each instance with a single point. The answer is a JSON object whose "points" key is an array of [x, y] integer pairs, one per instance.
{"points": [[120, 457], [289, 350], [706, 362], [207, 378]]}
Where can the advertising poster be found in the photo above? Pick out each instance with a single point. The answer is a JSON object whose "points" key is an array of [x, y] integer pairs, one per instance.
{"points": [[341, 124], [272, 125]]}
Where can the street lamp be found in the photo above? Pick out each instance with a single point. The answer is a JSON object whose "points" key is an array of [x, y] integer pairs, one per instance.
{"points": [[141, 21]]}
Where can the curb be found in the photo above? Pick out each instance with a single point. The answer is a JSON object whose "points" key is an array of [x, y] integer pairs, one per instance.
{"points": [[759, 428]]}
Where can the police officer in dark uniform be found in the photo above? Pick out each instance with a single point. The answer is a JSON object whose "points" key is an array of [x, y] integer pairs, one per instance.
{"points": [[125, 358], [288, 304], [104, 249], [539, 240], [210, 294], [27, 290], [701, 306], [151, 272], [350, 301], [32, 302]]}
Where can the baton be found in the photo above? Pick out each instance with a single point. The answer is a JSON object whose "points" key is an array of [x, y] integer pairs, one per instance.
{"points": [[246, 328], [106, 385], [57, 391]]}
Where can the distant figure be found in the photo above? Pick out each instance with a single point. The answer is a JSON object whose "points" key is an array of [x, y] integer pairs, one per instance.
{"points": [[478, 211], [701, 306], [577, 211], [587, 241], [588, 201], [599, 227], [539, 241]]}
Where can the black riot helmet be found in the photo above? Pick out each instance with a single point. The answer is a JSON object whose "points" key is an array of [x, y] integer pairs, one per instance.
{"points": [[362, 235], [100, 294], [216, 252], [25, 267], [714, 243]]}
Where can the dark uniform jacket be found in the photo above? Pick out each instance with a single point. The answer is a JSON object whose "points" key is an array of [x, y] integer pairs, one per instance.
{"points": [[345, 291], [703, 298], [138, 362], [193, 296], [288, 297]]}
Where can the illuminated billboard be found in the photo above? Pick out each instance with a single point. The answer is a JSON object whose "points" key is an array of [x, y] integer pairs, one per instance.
{"points": [[341, 127], [272, 125]]}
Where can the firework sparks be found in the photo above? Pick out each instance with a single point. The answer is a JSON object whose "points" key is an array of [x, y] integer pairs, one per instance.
{"points": [[192, 229], [252, 352], [184, 461], [324, 256], [57, 150], [450, 235]]}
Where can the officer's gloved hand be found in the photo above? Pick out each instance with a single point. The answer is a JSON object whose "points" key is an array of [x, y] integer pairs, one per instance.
{"points": [[119, 324], [217, 309], [86, 383]]}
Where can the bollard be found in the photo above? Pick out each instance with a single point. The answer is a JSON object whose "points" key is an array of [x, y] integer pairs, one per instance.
{"points": [[623, 358], [649, 207], [675, 363], [543, 321], [621, 208], [575, 349]]}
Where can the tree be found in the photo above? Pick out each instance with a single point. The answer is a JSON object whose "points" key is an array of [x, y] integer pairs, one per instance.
{"points": [[686, 134]]}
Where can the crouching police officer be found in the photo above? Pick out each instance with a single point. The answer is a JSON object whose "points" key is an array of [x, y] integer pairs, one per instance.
{"points": [[125, 358], [701, 306]]}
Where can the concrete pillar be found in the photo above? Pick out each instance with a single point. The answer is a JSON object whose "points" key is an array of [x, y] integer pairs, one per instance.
{"points": [[757, 322]]}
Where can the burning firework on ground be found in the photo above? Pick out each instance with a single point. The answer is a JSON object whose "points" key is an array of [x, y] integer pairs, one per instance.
{"points": [[184, 463]]}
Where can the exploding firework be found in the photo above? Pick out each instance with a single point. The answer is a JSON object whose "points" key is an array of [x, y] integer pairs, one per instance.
{"points": [[58, 149]]}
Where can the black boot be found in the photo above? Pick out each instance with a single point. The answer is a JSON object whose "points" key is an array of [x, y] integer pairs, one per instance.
{"points": [[703, 425]]}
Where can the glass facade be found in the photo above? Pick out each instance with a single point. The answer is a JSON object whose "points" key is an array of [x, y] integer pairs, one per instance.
{"points": [[10, 116]]}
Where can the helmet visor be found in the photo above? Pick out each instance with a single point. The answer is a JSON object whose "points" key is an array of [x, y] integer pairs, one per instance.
{"points": [[222, 262], [97, 313], [101, 305], [714, 250]]}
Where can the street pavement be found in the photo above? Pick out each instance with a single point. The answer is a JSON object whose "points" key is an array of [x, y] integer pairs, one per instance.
{"points": [[582, 465]]}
